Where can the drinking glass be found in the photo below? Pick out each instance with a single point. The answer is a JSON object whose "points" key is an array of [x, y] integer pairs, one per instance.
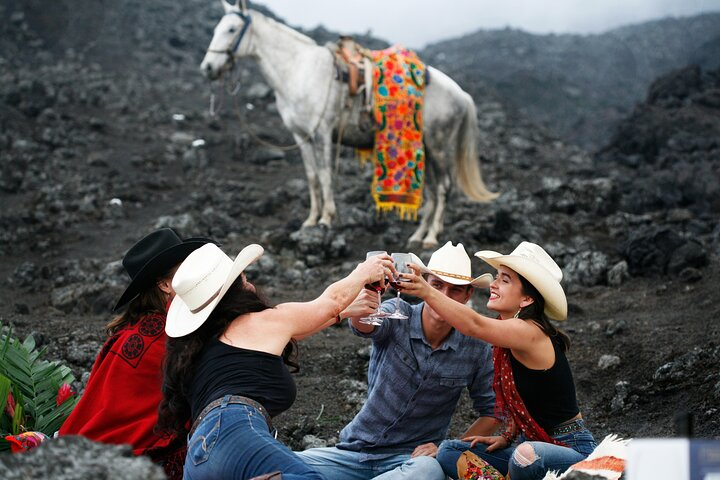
{"points": [[377, 317], [401, 265]]}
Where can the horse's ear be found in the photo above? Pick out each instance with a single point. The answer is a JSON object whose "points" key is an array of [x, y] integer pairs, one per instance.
{"points": [[229, 6]]}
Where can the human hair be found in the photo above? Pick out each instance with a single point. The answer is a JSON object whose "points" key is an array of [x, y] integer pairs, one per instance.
{"points": [[150, 300], [536, 312], [182, 354]]}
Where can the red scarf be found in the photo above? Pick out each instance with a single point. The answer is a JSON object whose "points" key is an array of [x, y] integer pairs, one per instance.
{"points": [[508, 403]]}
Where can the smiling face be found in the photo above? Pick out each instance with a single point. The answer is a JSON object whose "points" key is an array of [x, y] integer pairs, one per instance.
{"points": [[506, 293]]}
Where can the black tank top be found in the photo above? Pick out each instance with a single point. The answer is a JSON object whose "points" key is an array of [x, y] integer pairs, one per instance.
{"points": [[549, 395], [226, 370]]}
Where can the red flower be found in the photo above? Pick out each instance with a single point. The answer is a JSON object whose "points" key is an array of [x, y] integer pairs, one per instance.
{"points": [[64, 393], [10, 405]]}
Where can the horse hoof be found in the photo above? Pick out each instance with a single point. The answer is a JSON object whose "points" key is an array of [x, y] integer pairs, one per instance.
{"points": [[413, 244], [308, 223], [427, 245]]}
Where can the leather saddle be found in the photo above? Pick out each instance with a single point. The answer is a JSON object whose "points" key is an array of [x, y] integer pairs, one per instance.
{"points": [[354, 65]]}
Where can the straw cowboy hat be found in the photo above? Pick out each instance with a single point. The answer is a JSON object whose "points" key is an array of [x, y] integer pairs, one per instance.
{"points": [[452, 265], [538, 268], [201, 282], [154, 256]]}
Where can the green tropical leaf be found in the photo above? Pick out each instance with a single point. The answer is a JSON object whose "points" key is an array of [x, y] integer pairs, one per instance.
{"points": [[34, 383], [4, 390], [18, 421]]}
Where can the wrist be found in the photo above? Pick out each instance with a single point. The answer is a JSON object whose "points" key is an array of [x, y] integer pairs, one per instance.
{"points": [[508, 436]]}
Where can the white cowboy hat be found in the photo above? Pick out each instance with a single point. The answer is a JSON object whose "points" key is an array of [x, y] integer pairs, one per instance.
{"points": [[200, 283], [538, 268], [452, 265]]}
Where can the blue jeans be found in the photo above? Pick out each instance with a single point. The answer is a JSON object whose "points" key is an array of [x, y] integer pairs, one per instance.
{"points": [[524, 460], [233, 442], [336, 464]]}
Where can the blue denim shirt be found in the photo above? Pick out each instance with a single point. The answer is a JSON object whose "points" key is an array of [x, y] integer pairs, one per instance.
{"points": [[412, 389]]}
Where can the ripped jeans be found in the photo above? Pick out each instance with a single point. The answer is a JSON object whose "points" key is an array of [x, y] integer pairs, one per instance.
{"points": [[233, 442], [524, 460]]}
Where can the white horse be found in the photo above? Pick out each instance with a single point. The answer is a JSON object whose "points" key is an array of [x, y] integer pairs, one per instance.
{"points": [[303, 76]]}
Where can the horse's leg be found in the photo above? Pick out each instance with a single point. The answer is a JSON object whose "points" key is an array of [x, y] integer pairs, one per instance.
{"points": [[323, 154], [429, 197], [436, 226], [308, 156], [426, 213]]}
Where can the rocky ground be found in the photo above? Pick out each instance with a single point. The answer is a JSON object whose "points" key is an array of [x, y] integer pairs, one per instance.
{"points": [[97, 150]]}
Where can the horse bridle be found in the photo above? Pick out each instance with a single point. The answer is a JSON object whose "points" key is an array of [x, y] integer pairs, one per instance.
{"points": [[232, 48]]}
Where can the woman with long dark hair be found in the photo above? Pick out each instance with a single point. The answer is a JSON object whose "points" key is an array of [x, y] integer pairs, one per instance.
{"points": [[226, 371], [543, 429], [120, 403]]}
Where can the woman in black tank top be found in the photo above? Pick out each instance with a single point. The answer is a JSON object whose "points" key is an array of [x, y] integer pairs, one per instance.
{"points": [[542, 428], [226, 369]]}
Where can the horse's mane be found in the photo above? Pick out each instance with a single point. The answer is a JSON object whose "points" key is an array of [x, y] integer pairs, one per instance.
{"points": [[299, 36]]}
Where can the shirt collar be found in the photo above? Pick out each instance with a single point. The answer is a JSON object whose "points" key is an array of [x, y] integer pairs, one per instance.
{"points": [[416, 332]]}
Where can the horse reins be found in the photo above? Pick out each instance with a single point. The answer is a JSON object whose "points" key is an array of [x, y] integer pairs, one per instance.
{"points": [[230, 52], [232, 48]]}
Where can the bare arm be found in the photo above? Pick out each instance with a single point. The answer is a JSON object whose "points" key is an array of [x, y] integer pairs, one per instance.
{"points": [[513, 333], [364, 304], [308, 317], [485, 426], [271, 329]]}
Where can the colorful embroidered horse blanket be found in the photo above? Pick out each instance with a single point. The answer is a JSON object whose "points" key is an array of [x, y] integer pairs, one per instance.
{"points": [[398, 156]]}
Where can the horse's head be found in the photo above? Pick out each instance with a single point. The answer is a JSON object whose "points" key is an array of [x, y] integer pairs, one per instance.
{"points": [[227, 39]]}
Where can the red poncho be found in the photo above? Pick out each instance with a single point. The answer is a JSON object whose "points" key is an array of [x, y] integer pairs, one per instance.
{"points": [[120, 403]]}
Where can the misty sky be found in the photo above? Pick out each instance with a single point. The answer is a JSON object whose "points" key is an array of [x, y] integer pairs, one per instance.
{"points": [[425, 21]]}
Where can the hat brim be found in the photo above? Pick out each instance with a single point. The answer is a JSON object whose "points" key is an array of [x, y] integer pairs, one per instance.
{"points": [[182, 321], [159, 265], [550, 289], [483, 281]]}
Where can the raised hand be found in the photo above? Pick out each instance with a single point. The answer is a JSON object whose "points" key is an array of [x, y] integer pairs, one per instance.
{"points": [[377, 268], [413, 283]]}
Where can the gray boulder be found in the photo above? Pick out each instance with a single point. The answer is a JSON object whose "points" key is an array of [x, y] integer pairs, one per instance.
{"points": [[78, 458]]}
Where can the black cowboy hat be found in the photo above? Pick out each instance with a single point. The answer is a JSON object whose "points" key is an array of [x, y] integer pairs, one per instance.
{"points": [[152, 257]]}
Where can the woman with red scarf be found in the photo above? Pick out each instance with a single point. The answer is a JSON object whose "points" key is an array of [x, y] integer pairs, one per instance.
{"points": [[120, 402], [543, 429]]}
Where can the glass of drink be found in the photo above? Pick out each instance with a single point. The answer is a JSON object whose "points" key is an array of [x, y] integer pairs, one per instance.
{"points": [[401, 265], [377, 317]]}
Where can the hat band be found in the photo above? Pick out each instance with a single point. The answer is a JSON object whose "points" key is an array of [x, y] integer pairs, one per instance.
{"points": [[208, 302], [452, 275]]}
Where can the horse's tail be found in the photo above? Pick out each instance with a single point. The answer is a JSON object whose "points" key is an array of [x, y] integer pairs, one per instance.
{"points": [[467, 162]]}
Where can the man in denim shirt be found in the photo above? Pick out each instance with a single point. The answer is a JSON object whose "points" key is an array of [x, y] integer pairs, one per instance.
{"points": [[418, 369]]}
